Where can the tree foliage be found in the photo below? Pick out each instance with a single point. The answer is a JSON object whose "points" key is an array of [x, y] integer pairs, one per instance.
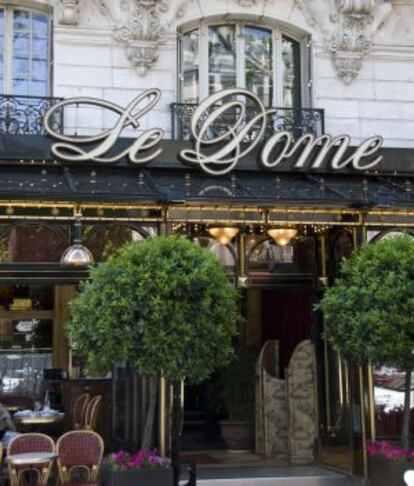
{"points": [[369, 311], [164, 305]]}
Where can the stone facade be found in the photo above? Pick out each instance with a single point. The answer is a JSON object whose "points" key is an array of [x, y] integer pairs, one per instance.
{"points": [[362, 56]]}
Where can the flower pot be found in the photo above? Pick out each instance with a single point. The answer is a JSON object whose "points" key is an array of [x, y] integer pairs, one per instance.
{"points": [[383, 472], [238, 435], [138, 477]]}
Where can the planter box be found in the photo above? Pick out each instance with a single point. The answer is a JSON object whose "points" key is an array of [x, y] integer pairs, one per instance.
{"points": [[154, 477], [239, 436], [387, 473]]}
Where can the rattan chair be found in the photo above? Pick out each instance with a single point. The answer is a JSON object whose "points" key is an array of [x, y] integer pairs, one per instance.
{"points": [[26, 443], [92, 412], [79, 410], [79, 451]]}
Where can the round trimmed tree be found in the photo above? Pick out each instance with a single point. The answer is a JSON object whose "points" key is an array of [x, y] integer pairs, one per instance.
{"points": [[369, 311], [165, 306]]}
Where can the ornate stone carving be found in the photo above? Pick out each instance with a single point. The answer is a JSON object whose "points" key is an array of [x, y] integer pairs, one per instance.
{"points": [[303, 404], [69, 12], [138, 25], [356, 23], [246, 3]]}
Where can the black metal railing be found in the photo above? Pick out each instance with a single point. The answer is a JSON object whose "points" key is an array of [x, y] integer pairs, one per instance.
{"points": [[23, 115], [298, 122]]}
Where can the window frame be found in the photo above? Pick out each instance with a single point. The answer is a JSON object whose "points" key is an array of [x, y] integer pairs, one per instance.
{"points": [[303, 94], [8, 69]]}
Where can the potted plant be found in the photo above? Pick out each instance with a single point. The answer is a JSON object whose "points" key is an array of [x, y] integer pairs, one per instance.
{"points": [[166, 307], [389, 463], [369, 314], [144, 468], [233, 395]]}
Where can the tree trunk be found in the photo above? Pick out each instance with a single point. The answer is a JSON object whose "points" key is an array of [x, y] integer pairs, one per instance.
{"points": [[405, 433], [176, 426], [148, 432]]}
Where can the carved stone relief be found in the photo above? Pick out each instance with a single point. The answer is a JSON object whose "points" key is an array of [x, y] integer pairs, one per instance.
{"points": [[68, 12], [139, 25], [303, 404], [287, 410], [356, 22]]}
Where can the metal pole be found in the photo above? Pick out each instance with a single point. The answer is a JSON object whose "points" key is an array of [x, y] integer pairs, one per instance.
{"points": [[163, 417], [363, 423], [371, 396], [322, 241]]}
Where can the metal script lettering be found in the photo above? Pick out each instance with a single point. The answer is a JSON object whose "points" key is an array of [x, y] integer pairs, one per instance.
{"points": [[70, 149], [212, 126], [234, 127]]}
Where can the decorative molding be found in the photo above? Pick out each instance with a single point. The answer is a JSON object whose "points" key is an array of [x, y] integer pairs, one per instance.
{"points": [[140, 27], [356, 23], [69, 11], [246, 3]]}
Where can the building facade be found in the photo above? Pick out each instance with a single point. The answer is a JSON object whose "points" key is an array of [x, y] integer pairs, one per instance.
{"points": [[344, 68]]}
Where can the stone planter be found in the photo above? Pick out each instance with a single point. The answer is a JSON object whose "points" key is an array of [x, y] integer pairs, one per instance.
{"points": [[239, 436], [154, 477], [387, 473]]}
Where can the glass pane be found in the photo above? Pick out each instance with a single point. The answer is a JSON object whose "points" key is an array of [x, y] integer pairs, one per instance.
{"points": [[291, 73], [39, 49], [21, 86], [40, 26], [30, 53], [190, 65], [222, 57], [259, 65], [21, 20], [39, 70], [21, 44]]}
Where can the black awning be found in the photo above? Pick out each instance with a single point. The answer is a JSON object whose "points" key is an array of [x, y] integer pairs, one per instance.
{"points": [[160, 185]]}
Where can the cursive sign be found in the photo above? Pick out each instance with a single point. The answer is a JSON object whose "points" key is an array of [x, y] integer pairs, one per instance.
{"points": [[225, 128], [222, 122], [71, 151]]}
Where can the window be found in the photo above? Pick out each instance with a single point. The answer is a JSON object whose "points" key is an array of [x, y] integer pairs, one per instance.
{"points": [[263, 60], [24, 52]]}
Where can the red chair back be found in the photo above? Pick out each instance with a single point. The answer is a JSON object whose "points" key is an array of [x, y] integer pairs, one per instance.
{"points": [[31, 443], [79, 449]]}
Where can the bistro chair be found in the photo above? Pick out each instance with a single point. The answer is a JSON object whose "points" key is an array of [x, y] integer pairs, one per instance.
{"points": [[92, 412], [79, 451], [79, 410], [26, 443]]}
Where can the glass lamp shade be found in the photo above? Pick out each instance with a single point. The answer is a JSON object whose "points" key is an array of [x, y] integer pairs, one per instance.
{"points": [[283, 236], [224, 235], [77, 256]]}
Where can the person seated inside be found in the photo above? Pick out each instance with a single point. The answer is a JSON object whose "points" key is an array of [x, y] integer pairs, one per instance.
{"points": [[7, 426]]}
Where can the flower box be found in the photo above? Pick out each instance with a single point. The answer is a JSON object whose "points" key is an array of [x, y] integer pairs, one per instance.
{"points": [[387, 464], [138, 477], [145, 468]]}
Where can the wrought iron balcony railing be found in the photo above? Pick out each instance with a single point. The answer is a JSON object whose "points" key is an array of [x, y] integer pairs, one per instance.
{"points": [[298, 122], [23, 115]]}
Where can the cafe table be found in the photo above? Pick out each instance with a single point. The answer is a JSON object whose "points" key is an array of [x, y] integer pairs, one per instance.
{"points": [[36, 418], [29, 459]]}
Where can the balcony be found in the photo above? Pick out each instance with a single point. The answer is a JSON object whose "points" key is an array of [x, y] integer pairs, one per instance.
{"points": [[23, 115], [298, 122]]}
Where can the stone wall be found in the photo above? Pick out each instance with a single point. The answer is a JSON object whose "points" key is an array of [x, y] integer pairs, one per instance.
{"points": [[362, 56]]}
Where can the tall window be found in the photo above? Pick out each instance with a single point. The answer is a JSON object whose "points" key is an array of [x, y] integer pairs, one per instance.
{"points": [[24, 52], [263, 60]]}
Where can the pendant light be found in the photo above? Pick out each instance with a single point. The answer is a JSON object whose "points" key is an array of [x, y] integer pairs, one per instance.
{"points": [[224, 235], [283, 236], [77, 255]]}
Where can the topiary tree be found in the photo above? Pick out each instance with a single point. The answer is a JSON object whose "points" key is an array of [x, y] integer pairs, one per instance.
{"points": [[369, 310], [165, 306]]}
